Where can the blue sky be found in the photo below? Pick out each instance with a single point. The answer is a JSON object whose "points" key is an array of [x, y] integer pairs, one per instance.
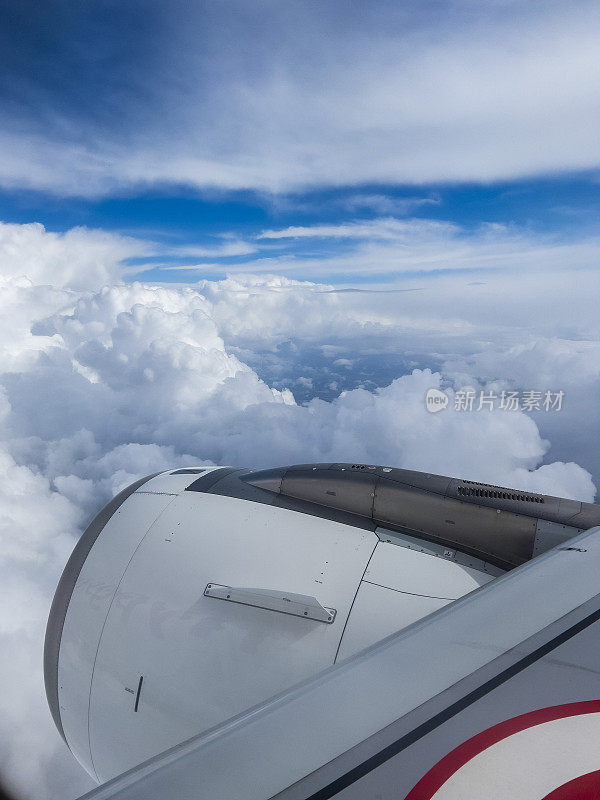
{"points": [[196, 127], [177, 218]]}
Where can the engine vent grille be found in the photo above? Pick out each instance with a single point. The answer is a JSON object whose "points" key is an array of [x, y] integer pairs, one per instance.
{"points": [[496, 493]]}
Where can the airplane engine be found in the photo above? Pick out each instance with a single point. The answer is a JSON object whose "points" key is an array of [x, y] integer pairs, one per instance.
{"points": [[197, 594]]}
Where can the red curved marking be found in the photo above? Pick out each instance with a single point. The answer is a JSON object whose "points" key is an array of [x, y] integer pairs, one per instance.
{"points": [[455, 759], [586, 787]]}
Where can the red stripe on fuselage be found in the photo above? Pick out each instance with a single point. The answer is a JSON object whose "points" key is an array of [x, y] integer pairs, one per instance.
{"points": [[451, 763], [586, 787]]}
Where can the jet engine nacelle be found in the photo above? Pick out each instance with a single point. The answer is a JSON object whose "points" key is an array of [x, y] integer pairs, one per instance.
{"points": [[199, 593]]}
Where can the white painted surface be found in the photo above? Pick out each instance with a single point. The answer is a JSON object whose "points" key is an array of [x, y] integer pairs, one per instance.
{"points": [[378, 612], [420, 573], [531, 763], [90, 601], [203, 659], [401, 586], [314, 723]]}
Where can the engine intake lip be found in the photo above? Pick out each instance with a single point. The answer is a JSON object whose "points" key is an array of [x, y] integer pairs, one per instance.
{"points": [[64, 591]]}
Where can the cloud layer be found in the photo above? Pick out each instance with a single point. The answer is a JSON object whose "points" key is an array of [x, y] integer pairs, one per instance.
{"points": [[103, 381], [238, 95]]}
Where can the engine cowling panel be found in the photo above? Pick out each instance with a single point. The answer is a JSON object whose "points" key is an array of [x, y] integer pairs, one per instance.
{"points": [[145, 658]]}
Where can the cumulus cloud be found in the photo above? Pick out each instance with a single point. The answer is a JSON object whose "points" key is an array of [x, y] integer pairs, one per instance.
{"points": [[37, 529], [42, 272], [560, 364], [101, 384], [79, 258]]}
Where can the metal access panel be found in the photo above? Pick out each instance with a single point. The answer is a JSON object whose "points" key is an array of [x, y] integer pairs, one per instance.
{"points": [[492, 534], [344, 490]]}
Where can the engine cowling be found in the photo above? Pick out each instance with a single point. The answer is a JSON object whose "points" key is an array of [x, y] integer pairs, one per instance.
{"points": [[199, 593]]}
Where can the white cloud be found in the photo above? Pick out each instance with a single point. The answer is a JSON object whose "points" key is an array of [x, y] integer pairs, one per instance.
{"points": [[79, 258], [390, 247], [385, 247], [524, 331], [37, 526], [465, 92], [102, 385], [385, 205], [231, 246], [397, 230], [358, 202], [42, 272]]}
